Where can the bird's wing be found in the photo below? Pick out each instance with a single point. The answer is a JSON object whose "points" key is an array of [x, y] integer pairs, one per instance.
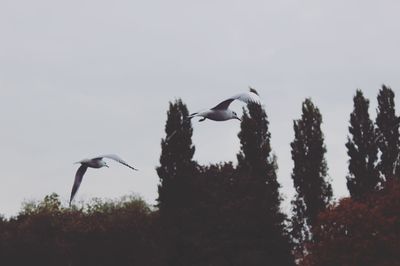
{"points": [[246, 97], [223, 105], [78, 179], [118, 159]]}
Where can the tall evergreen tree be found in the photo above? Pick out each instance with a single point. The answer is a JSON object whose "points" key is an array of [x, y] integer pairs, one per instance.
{"points": [[314, 192], [176, 172], [362, 149], [176, 163], [260, 222], [388, 137]]}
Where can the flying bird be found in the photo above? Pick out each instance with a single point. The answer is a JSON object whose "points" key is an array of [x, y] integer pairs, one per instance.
{"points": [[96, 162], [221, 111]]}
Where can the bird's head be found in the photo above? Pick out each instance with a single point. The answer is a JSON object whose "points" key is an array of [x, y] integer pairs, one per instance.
{"points": [[253, 91], [235, 116], [105, 164]]}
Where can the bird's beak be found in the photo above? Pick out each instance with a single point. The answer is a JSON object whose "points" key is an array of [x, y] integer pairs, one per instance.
{"points": [[107, 166], [238, 118]]}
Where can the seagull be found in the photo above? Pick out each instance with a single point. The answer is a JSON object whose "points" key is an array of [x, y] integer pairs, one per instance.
{"points": [[96, 162], [221, 111]]}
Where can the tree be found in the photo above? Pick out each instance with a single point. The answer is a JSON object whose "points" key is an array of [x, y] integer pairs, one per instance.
{"points": [[388, 137], [362, 149], [176, 192], [176, 164], [103, 234], [309, 175], [259, 222], [210, 239], [359, 232]]}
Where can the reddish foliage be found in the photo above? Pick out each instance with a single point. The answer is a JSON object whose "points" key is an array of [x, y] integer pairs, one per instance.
{"points": [[359, 232]]}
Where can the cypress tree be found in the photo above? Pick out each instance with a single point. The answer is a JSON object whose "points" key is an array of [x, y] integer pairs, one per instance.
{"points": [[175, 191], [260, 228], [388, 138], [176, 164], [362, 149], [309, 175]]}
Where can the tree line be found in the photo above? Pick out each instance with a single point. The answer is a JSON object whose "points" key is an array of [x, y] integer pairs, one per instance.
{"points": [[230, 214]]}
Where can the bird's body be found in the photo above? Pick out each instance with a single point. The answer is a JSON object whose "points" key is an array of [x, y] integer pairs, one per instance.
{"points": [[220, 115], [96, 162], [221, 112], [93, 163]]}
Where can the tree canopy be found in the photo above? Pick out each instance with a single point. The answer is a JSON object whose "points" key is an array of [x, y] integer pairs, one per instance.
{"points": [[359, 232], [314, 192], [362, 149], [388, 137]]}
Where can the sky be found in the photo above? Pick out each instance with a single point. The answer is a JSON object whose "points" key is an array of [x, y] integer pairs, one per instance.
{"points": [[83, 78]]}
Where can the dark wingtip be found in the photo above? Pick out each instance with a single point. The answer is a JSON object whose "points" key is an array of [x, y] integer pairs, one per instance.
{"points": [[191, 116], [253, 91]]}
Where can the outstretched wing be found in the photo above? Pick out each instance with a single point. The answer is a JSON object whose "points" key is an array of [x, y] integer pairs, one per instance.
{"points": [[223, 105], [246, 97], [118, 159], [78, 179]]}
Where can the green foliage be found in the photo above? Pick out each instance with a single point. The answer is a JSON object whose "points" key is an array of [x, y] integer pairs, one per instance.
{"points": [[309, 173], [106, 233], [362, 149]]}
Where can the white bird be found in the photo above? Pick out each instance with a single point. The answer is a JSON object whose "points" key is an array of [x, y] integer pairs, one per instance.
{"points": [[221, 111], [96, 162]]}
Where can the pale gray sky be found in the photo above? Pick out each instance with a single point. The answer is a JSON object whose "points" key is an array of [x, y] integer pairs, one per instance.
{"points": [[83, 78]]}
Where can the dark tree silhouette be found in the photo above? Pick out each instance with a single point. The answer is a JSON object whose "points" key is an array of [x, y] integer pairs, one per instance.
{"points": [[103, 234], [208, 226], [262, 237], [176, 192], [300, 231], [176, 164], [309, 175], [362, 149], [388, 137]]}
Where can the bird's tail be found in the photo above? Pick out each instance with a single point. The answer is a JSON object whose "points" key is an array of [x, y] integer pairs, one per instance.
{"points": [[81, 161], [189, 117]]}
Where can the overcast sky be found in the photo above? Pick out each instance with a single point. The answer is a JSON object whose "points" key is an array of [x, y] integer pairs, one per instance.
{"points": [[84, 78]]}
